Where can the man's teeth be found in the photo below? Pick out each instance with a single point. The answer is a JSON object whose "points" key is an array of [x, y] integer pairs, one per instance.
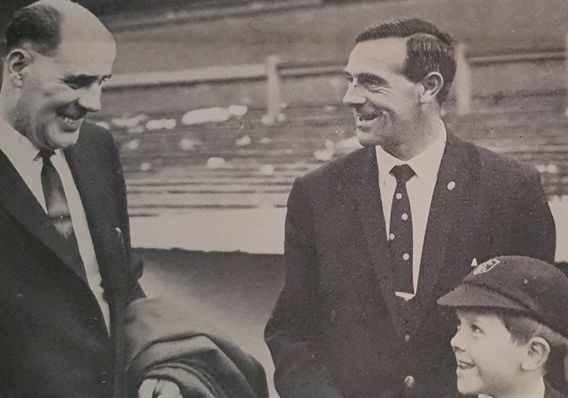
{"points": [[68, 119], [367, 117], [464, 365]]}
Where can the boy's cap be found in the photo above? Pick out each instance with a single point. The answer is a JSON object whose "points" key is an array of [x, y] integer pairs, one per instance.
{"points": [[521, 284]]}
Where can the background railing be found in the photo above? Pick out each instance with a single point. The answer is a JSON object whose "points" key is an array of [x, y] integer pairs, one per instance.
{"points": [[275, 72]]}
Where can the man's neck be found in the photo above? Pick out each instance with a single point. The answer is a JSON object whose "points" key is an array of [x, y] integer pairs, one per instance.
{"points": [[6, 112], [422, 138]]}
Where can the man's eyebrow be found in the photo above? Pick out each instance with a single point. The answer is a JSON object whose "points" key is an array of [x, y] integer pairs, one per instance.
{"points": [[374, 78], [87, 78]]}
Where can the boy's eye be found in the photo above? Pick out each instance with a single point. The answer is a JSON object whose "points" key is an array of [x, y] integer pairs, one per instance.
{"points": [[475, 329]]}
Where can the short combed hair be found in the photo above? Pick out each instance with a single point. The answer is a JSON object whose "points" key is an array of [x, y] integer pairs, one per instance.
{"points": [[38, 24], [523, 327], [427, 49]]}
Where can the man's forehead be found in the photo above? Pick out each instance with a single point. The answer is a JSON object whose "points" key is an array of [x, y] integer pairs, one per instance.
{"points": [[90, 58], [379, 53], [86, 45]]}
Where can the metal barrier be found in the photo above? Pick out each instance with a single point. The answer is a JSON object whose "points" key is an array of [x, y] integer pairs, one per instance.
{"points": [[274, 72]]}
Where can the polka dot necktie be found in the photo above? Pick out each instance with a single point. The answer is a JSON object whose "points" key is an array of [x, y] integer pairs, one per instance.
{"points": [[400, 234], [57, 207]]}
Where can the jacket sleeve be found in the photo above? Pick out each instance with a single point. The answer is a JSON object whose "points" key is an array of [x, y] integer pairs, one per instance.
{"points": [[535, 229], [294, 332]]}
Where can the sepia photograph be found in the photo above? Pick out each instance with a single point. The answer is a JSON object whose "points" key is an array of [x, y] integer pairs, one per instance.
{"points": [[284, 198]]}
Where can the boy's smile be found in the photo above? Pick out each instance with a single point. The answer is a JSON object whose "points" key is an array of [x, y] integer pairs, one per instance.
{"points": [[488, 360]]}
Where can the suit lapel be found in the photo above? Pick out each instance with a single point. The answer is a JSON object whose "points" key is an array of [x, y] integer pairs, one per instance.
{"points": [[367, 195], [19, 201], [106, 239], [449, 199]]}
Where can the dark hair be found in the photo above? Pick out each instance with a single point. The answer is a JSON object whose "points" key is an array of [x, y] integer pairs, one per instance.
{"points": [[37, 24], [523, 327], [427, 49]]}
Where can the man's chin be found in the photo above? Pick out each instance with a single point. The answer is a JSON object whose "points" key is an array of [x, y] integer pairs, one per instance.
{"points": [[62, 140], [365, 138]]}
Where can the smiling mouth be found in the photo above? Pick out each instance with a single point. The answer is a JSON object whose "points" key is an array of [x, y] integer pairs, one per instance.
{"points": [[367, 119], [71, 121], [68, 119], [465, 365]]}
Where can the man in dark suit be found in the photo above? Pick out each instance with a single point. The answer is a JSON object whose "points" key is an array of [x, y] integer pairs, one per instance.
{"points": [[375, 237], [64, 233]]}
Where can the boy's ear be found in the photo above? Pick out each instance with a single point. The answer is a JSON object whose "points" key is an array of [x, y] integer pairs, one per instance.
{"points": [[538, 351]]}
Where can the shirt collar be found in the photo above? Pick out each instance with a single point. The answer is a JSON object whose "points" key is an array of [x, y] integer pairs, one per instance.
{"points": [[425, 164]]}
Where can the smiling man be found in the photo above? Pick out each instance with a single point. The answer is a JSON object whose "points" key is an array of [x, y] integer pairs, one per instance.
{"points": [[374, 238], [64, 233]]}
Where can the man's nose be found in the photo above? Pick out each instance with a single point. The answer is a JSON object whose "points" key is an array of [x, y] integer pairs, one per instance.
{"points": [[353, 96], [90, 98]]}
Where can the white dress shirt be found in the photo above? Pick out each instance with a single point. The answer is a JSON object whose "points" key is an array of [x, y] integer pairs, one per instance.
{"points": [[25, 158], [420, 189]]}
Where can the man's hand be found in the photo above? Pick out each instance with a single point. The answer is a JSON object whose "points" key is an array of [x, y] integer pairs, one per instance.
{"points": [[158, 388]]}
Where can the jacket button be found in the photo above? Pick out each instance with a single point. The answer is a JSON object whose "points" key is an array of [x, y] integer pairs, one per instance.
{"points": [[407, 338], [409, 382], [104, 377]]}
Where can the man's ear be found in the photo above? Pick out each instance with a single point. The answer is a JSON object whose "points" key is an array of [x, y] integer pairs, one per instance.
{"points": [[538, 351], [15, 64], [432, 83]]}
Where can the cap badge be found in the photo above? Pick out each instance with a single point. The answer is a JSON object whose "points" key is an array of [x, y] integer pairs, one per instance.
{"points": [[486, 266]]}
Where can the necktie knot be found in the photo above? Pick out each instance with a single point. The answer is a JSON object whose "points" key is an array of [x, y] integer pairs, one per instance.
{"points": [[46, 154], [402, 173]]}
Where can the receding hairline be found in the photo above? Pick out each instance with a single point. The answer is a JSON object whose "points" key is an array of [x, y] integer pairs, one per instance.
{"points": [[71, 22], [403, 48], [74, 16]]}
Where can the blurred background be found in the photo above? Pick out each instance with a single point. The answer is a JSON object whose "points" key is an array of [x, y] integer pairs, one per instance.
{"points": [[217, 105]]}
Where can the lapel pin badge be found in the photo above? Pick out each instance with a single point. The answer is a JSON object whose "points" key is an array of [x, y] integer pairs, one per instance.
{"points": [[451, 185]]}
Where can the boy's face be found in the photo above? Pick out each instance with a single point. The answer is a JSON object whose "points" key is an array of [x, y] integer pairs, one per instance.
{"points": [[488, 361]]}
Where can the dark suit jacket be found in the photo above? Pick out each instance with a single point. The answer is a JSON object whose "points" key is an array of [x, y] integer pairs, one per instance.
{"points": [[53, 340], [336, 330]]}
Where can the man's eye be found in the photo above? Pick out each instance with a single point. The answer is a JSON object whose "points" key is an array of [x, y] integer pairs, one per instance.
{"points": [[373, 84], [74, 84]]}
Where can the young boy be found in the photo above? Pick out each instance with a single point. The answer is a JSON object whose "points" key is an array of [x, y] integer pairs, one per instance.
{"points": [[513, 323]]}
